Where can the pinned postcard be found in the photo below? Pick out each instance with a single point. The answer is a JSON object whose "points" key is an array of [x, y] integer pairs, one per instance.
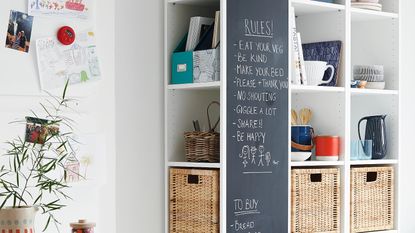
{"points": [[60, 8], [58, 63]]}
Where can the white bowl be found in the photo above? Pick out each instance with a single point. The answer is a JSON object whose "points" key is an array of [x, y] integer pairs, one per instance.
{"points": [[300, 156], [367, 6], [368, 69], [369, 77], [376, 85]]}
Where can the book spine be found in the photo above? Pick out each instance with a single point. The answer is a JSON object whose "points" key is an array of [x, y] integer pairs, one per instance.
{"points": [[190, 34], [216, 32], [303, 73], [296, 78]]}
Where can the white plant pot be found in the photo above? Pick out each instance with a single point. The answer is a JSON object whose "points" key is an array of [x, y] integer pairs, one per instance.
{"points": [[18, 220]]}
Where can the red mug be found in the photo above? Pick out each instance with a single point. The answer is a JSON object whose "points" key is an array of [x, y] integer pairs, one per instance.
{"points": [[327, 148]]}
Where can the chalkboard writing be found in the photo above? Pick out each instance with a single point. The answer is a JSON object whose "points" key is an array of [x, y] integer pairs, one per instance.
{"points": [[257, 116]]}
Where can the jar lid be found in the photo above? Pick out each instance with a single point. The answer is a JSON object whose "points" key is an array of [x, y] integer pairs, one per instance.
{"points": [[82, 224]]}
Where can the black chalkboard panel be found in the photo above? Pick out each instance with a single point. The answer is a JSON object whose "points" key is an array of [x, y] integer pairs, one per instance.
{"points": [[257, 116]]}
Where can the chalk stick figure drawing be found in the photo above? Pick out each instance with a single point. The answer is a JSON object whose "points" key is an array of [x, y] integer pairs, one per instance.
{"points": [[261, 150], [245, 162], [268, 158], [244, 155], [253, 154], [261, 161]]}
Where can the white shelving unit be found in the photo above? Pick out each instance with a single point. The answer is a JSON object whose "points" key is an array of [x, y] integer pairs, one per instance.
{"points": [[317, 164], [195, 86], [368, 37], [315, 89], [194, 165]]}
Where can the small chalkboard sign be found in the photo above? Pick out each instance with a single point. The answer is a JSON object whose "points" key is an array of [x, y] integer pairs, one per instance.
{"points": [[257, 116]]}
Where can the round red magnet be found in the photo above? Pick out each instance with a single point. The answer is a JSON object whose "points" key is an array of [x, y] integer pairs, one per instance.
{"points": [[66, 35]]}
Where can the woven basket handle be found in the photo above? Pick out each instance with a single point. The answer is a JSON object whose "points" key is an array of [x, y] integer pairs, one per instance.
{"points": [[212, 129]]}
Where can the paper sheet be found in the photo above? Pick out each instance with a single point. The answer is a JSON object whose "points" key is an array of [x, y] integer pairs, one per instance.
{"points": [[60, 8], [77, 62]]}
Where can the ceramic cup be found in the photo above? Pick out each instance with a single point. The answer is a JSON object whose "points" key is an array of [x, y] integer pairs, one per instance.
{"points": [[327, 148], [303, 135], [315, 72]]}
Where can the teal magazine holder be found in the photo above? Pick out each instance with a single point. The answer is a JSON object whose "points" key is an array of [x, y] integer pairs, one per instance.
{"points": [[182, 64]]}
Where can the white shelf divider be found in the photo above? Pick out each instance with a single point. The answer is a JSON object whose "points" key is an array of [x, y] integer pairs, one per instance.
{"points": [[317, 163], [388, 231], [195, 86], [315, 89], [304, 7], [374, 162], [367, 15], [195, 2], [358, 91], [193, 165]]}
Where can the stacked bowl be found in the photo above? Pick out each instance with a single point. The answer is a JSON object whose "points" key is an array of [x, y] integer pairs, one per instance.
{"points": [[367, 4], [373, 75]]}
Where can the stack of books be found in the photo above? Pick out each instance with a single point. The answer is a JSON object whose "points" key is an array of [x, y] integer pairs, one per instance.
{"points": [[204, 33], [299, 76]]}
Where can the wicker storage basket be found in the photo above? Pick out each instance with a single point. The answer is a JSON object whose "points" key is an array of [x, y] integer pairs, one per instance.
{"points": [[371, 199], [315, 196], [203, 146], [194, 201]]}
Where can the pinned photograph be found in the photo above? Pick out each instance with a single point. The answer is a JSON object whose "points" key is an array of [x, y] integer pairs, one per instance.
{"points": [[19, 31], [38, 131]]}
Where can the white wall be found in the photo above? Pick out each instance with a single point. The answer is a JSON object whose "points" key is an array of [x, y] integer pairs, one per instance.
{"points": [[407, 174], [139, 119], [19, 92]]}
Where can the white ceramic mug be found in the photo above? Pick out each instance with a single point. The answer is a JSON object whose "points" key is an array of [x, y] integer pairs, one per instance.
{"points": [[315, 72]]}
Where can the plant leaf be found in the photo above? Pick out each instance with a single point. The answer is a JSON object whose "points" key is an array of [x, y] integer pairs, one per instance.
{"points": [[5, 200], [64, 90], [47, 223]]}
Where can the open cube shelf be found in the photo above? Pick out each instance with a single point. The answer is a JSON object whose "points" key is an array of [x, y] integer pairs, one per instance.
{"points": [[185, 106], [377, 43], [328, 113], [368, 38], [331, 26], [362, 106]]}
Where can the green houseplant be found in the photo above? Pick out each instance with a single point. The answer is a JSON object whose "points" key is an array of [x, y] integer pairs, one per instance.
{"points": [[32, 173]]}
